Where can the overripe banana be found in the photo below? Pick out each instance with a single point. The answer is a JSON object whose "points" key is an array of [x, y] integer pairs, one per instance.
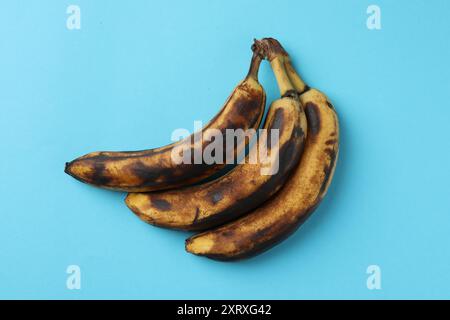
{"points": [[155, 169], [247, 185], [302, 193]]}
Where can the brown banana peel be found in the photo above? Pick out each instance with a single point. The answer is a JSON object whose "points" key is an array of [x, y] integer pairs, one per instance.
{"points": [[243, 188], [154, 169], [280, 216]]}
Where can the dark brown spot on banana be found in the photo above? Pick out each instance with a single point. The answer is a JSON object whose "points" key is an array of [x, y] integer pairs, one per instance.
{"points": [[328, 170], [291, 93], [228, 233], [330, 152], [277, 124], [216, 197], [100, 174], [299, 132], [313, 116], [161, 204], [197, 213], [143, 171]]}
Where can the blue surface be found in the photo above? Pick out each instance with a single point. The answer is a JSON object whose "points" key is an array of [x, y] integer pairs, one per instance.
{"points": [[138, 70]]}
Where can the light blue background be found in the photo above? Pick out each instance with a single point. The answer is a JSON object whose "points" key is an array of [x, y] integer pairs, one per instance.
{"points": [[138, 70]]}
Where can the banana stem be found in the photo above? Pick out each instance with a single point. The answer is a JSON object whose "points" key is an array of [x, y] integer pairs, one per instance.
{"points": [[274, 50], [298, 83], [283, 81], [254, 65]]}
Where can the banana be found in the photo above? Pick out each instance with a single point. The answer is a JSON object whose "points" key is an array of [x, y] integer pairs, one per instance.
{"points": [[292, 205], [154, 169], [243, 188]]}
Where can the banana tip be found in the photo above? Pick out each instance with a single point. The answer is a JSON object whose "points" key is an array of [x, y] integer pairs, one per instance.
{"points": [[198, 246], [67, 168], [188, 246], [128, 200]]}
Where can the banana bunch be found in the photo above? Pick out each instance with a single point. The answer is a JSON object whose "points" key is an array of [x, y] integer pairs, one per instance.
{"points": [[245, 211]]}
